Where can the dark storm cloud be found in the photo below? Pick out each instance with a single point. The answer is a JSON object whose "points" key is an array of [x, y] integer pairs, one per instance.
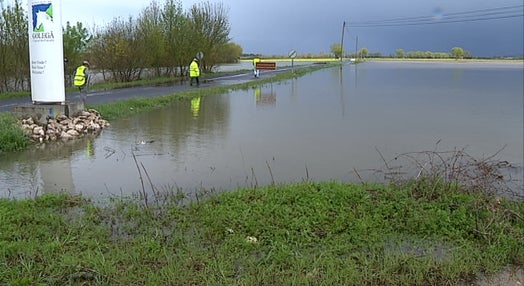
{"points": [[312, 26], [275, 27]]}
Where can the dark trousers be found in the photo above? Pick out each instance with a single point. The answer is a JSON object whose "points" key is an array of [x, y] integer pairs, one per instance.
{"points": [[194, 78]]}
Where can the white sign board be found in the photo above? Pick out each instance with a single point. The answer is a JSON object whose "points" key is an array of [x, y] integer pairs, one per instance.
{"points": [[46, 56]]}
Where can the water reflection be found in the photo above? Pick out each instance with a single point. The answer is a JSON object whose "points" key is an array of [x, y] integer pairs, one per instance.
{"points": [[265, 96], [324, 127], [342, 95], [195, 106], [56, 175], [46, 169]]}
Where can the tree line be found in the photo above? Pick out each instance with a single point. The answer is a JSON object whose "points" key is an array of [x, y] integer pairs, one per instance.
{"points": [[456, 53], [160, 41]]}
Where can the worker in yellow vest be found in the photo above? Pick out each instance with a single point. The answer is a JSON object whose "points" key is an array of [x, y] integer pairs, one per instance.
{"points": [[194, 72], [256, 72], [81, 79]]}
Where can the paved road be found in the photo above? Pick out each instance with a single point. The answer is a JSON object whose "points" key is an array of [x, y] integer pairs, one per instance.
{"points": [[105, 96]]}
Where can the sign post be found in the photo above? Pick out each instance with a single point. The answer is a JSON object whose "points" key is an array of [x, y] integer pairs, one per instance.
{"points": [[46, 51], [292, 54], [200, 55]]}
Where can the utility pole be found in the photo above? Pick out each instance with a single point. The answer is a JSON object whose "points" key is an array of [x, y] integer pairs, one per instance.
{"points": [[356, 49], [342, 42]]}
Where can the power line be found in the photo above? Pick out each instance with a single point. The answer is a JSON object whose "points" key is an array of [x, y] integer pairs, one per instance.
{"points": [[436, 22], [467, 16], [489, 10], [495, 10], [499, 10]]}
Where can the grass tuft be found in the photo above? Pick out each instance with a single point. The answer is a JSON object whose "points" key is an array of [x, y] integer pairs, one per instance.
{"points": [[12, 137]]}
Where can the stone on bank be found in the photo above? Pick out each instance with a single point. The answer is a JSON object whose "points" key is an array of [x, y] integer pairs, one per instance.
{"points": [[63, 127]]}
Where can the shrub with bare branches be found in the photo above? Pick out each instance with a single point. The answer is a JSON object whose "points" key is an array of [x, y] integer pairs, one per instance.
{"points": [[455, 169]]}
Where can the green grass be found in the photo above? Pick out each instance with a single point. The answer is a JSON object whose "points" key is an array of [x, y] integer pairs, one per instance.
{"points": [[12, 138], [327, 233], [7, 95]]}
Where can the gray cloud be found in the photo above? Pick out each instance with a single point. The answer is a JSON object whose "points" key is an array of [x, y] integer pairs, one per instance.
{"points": [[276, 26]]}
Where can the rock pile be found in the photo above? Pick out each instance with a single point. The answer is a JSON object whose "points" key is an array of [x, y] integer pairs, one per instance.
{"points": [[65, 128]]}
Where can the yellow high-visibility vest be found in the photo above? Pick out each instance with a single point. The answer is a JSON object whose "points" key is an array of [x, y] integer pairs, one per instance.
{"points": [[80, 76], [194, 71]]}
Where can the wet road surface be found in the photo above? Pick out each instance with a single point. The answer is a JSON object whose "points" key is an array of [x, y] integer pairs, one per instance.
{"points": [[112, 95]]}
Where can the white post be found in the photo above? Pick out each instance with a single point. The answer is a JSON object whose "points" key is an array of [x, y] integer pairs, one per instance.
{"points": [[46, 51]]}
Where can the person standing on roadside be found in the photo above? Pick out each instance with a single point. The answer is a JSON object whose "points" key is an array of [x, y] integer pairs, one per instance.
{"points": [[256, 72], [194, 72], [81, 79]]}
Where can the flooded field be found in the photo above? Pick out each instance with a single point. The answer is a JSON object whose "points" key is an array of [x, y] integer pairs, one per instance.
{"points": [[322, 126]]}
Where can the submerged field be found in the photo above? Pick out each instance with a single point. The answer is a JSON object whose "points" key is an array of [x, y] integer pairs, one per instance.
{"points": [[430, 231], [331, 233]]}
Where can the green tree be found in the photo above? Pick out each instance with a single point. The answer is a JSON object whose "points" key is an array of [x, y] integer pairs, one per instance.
{"points": [[119, 49], [177, 34], [363, 53], [152, 38], [76, 40], [457, 53], [400, 53], [14, 48], [336, 49], [210, 30], [229, 53]]}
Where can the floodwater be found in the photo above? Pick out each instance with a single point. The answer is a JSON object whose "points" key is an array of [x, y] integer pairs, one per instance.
{"points": [[331, 124]]}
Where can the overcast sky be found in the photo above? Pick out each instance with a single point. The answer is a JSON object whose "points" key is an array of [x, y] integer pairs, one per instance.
{"points": [[483, 27]]}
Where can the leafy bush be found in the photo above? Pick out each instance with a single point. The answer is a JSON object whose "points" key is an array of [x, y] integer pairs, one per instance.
{"points": [[12, 137]]}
